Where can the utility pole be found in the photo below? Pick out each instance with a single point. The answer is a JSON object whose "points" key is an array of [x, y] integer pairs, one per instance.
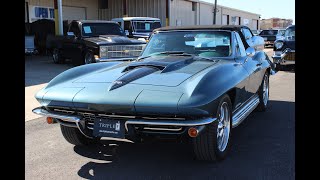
{"points": [[215, 12]]}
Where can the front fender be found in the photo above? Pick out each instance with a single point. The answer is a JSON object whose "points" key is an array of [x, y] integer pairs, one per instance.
{"points": [[77, 72], [209, 87]]}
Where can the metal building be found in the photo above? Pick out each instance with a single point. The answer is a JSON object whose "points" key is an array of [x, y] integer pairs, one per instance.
{"points": [[171, 12]]}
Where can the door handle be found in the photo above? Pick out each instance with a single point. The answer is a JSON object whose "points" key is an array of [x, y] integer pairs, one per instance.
{"points": [[259, 64]]}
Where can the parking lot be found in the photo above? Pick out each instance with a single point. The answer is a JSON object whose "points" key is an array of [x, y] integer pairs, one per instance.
{"points": [[262, 148]]}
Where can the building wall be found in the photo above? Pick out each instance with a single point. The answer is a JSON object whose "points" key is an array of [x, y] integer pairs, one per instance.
{"points": [[181, 14], [206, 14], [114, 10], [91, 6], [246, 18], [181, 11], [135, 8]]}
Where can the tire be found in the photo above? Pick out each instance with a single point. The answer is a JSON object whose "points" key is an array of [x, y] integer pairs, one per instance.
{"points": [[56, 56], [74, 136], [263, 93], [88, 58], [205, 146]]}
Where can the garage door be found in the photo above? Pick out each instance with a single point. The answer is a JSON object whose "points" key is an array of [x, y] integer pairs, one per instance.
{"points": [[73, 13], [224, 19]]}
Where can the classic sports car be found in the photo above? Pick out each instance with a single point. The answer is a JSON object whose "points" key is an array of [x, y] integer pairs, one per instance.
{"points": [[197, 82], [284, 49]]}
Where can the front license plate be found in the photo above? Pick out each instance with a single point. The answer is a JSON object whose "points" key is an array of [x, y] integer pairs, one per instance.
{"points": [[108, 128]]}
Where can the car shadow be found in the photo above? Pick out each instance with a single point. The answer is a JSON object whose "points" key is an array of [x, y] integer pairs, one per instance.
{"points": [[262, 147]]}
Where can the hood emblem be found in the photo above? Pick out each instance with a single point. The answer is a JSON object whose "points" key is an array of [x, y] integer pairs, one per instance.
{"points": [[125, 51]]}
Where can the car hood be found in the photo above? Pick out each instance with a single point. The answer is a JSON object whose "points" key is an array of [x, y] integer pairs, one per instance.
{"points": [[157, 71], [125, 87], [112, 39]]}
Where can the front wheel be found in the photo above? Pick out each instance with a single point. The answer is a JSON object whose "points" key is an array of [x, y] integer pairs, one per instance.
{"points": [[214, 143], [264, 93], [74, 136], [89, 58]]}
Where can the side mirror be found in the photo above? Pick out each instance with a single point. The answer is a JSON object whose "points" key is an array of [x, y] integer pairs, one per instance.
{"points": [[250, 51]]}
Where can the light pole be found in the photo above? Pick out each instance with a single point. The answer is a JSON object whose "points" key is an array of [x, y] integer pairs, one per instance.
{"points": [[215, 12]]}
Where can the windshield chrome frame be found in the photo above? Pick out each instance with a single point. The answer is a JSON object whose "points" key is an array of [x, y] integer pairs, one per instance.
{"points": [[232, 40]]}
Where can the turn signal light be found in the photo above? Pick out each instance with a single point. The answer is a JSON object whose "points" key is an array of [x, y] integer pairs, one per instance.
{"points": [[50, 120], [193, 132]]}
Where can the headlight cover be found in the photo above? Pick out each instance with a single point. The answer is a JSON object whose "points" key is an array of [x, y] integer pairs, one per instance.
{"points": [[103, 51], [278, 44]]}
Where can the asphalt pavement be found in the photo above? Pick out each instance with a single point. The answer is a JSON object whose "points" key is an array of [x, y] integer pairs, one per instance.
{"points": [[263, 147]]}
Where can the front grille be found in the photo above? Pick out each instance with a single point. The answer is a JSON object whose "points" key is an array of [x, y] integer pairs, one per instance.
{"points": [[290, 56], [124, 51]]}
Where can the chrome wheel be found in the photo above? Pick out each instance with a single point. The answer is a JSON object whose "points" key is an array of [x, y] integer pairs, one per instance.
{"points": [[265, 93], [223, 130], [88, 58], [55, 55]]}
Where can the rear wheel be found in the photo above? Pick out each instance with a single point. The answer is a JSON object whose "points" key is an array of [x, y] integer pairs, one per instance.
{"points": [[214, 143], [264, 93], [74, 136], [56, 56]]}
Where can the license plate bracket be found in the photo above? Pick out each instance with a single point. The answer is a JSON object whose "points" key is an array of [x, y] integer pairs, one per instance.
{"points": [[108, 128]]}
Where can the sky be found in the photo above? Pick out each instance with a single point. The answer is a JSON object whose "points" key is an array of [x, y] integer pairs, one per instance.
{"points": [[267, 8]]}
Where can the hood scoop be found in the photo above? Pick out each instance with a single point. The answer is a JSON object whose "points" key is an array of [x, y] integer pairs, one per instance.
{"points": [[132, 75], [164, 65]]}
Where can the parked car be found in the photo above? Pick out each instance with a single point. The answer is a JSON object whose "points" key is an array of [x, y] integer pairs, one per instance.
{"points": [[270, 36], [197, 82], [284, 49], [138, 27], [90, 41]]}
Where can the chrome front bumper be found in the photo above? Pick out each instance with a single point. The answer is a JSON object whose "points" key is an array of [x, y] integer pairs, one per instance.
{"points": [[78, 121], [280, 59]]}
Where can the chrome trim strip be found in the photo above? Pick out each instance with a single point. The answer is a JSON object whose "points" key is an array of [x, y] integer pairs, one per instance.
{"points": [[116, 59], [62, 116], [161, 129], [196, 122], [239, 116], [116, 116]]}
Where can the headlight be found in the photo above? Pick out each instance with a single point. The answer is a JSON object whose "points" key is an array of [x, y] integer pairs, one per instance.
{"points": [[103, 51], [278, 44]]}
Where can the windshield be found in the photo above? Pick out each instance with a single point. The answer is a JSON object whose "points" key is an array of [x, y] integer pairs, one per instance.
{"points": [[269, 32], [146, 26], [200, 43], [96, 29], [290, 33]]}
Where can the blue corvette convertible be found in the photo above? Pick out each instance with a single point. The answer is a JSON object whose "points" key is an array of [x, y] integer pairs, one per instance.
{"points": [[195, 82]]}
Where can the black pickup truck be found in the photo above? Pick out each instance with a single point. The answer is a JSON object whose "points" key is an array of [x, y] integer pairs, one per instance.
{"points": [[90, 41]]}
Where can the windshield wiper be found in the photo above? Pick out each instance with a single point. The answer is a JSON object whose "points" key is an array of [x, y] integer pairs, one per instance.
{"points": [[177, 53]]}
